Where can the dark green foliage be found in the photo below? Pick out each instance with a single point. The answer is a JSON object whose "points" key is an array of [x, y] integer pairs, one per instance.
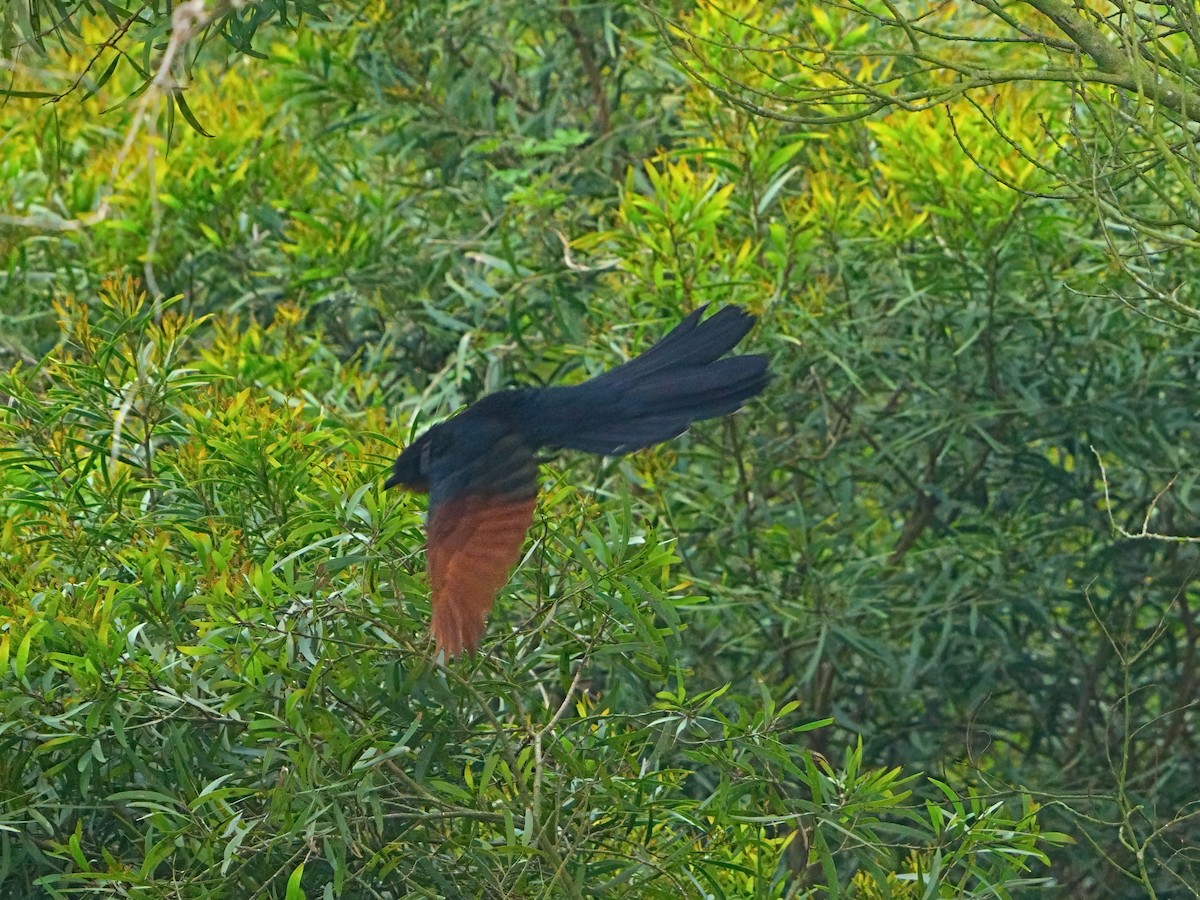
{"points": [[210, 664]]}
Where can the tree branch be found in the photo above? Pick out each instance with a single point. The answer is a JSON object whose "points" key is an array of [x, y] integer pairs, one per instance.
{"points": [[1109, 58]]}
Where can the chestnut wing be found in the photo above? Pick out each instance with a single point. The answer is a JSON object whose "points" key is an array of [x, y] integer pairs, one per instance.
{"points": [[480, 511]]}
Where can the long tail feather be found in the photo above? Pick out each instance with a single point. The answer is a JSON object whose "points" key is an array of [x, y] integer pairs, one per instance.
{"points": [[656, 396]]}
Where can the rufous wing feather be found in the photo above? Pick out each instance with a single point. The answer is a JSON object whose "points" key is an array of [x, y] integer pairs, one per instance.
{"points": [[474, 542]]}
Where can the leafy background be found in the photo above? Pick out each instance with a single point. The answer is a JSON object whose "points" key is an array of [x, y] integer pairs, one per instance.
{"points": [[921, 622]]}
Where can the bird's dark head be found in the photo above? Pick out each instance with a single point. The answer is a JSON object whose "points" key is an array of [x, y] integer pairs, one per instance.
{"points": [[411, 469]]}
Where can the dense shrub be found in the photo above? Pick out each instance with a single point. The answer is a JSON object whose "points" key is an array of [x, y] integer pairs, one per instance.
{"points": [[920, 623]]}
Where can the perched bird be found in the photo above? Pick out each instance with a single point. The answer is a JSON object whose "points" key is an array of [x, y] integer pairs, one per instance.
{"points": [[480, 470]]}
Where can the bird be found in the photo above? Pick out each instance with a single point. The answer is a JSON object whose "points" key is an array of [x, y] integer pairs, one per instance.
{"points": [[480, 466]]}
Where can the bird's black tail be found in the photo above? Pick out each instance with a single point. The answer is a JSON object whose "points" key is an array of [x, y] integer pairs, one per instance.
{"points": [[657, 395]]}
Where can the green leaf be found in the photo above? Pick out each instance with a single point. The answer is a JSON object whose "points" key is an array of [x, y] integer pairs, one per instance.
{"points": [[294, 891]]}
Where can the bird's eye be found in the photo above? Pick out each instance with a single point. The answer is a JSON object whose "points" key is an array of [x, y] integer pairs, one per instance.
{"points": [[425, 453]]}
